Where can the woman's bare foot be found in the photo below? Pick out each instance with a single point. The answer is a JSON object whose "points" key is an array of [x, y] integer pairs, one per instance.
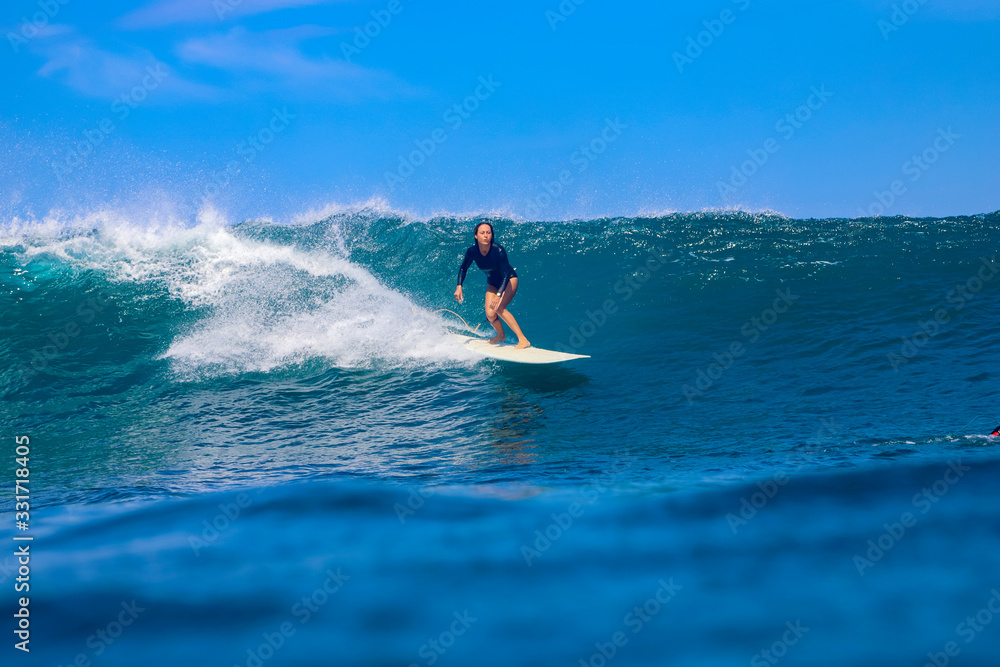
{"points": [[521, 344], [498, 339]]}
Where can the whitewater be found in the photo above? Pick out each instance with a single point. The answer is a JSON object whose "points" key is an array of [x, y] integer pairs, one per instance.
{"points": [[258, 444]]}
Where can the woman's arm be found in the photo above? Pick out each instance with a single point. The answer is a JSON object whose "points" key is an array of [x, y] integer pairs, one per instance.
{"points": [[466, 262]]}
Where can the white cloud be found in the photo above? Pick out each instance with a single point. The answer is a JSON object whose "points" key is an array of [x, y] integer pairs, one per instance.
{"points": [[168, 12], [273, 60], [77, 62], [248, 62]]}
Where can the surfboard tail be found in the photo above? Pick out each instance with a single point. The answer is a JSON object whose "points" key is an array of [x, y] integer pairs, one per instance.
{"points": [[996, 431]]}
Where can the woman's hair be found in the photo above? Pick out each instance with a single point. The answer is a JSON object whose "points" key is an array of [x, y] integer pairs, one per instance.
{"points": [[493, 236]]}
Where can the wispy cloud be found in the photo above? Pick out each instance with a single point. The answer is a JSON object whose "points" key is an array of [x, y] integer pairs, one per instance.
{"points": [[219, 67], [76, 61], [168, 12], [274, 60]]}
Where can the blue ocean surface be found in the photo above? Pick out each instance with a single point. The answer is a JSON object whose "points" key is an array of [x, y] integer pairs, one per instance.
{"points": [[257, 444]]}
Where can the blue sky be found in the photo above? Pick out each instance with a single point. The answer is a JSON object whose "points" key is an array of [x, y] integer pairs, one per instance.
{"points": [[273, 108]]}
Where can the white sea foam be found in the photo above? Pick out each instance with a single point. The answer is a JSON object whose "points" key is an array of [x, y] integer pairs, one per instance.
{"points": [[259, 305]]}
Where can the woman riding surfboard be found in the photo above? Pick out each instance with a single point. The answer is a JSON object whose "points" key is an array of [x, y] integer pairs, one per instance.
{"points": [[501, 282]]}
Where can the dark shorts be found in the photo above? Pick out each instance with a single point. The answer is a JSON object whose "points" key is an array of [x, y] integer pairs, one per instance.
{"points": [[495, 280]]}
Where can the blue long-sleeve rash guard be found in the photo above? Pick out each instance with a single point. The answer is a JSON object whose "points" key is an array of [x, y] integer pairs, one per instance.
{"points": [[494, 263]]}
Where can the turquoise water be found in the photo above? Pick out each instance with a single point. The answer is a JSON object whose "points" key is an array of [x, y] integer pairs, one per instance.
{"points": [[256, 444]]}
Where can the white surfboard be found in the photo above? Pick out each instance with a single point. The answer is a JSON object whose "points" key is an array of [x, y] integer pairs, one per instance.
{"points": [[509, 352]]}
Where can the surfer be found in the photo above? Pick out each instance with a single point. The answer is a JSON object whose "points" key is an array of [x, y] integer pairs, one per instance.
{"points": [[501, 282]]}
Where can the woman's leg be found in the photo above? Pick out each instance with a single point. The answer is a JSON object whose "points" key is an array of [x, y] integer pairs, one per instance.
{"points": [[491, 315], [506, 316]]}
